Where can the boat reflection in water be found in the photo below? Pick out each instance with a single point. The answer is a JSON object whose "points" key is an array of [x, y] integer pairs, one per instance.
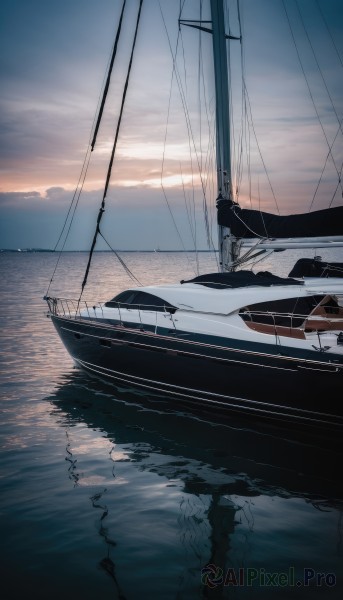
{"points": [[221, 471]]}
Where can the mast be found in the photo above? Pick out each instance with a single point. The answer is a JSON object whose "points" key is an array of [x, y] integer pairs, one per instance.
{"points": [[222, 99], [226, 242], [228, 245]]}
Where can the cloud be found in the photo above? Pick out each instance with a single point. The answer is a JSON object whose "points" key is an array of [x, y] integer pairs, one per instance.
{"points": [[135, 218], [57, 193], [18, 198]]}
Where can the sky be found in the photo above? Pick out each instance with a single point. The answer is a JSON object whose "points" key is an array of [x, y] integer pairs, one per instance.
{"points": [[53, 61]]}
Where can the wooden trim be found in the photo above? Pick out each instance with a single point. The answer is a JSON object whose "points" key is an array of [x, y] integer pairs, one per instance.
{"points": [[292, 332]]}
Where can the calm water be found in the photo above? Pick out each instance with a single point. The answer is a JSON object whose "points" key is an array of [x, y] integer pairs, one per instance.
{"points": [[106, 494]]}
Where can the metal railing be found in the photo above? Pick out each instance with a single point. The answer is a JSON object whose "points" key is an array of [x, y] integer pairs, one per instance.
{"points": [[81, 309], [71, 309], [78, 309], [273, 317]]}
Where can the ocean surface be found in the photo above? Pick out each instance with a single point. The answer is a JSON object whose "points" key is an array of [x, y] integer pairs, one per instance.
{"points": [[109, 494]]}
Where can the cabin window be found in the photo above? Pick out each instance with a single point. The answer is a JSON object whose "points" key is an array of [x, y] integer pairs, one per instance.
{"points": [[145, 301], [124, 300], [142, 301]]}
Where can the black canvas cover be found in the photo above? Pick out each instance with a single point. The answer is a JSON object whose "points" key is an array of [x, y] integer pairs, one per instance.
{"points": [[241, 279], [310, 267], [246, 223]]}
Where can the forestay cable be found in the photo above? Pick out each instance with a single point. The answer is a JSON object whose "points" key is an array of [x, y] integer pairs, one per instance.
{"points": [[109, 171], [108, 79]]}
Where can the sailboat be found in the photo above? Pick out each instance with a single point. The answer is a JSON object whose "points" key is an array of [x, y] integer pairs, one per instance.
{"points": [[235, 342]]}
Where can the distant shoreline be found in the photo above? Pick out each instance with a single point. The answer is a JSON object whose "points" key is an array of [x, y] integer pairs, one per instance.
{"points": [[38, 250]]}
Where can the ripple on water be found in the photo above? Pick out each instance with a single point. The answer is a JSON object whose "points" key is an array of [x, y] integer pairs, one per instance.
{"points": [[105, 493]]}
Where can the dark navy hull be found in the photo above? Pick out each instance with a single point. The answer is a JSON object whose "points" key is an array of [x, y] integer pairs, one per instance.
{"points": [[200, 371]]}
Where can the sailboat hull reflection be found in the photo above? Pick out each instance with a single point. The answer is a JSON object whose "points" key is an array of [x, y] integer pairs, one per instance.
{"points": [[221, 457]]}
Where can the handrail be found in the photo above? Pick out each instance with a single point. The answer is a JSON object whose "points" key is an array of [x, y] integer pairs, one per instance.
{"points": [[61, 307]]}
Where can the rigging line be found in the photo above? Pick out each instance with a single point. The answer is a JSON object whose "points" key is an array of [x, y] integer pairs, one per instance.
{"points": [[76, 191], [164, 151], [202, 76], [239, 167], [208, 181], [190, 133], [189, 147], [337, 186], [246, 142], [188, 125], [324, 167], [260, 237], [122, 103], [76, 195], [259, 207], [184, 60], [240, 146], [192, 143], [109, 172], [234, 159], [249, 255], [108, 79], [236, 166], [191, 137], [319, 69], [191, 226], [200, 80], [204, 91], [267, 254], [329, 32], [259, 204], [181, 38], [210, 146], [240, 164], [247, 139], [246, 133], [199, 85], [246, 256], [122, 262], [210, 184], [308, 87], [258, 146]]}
